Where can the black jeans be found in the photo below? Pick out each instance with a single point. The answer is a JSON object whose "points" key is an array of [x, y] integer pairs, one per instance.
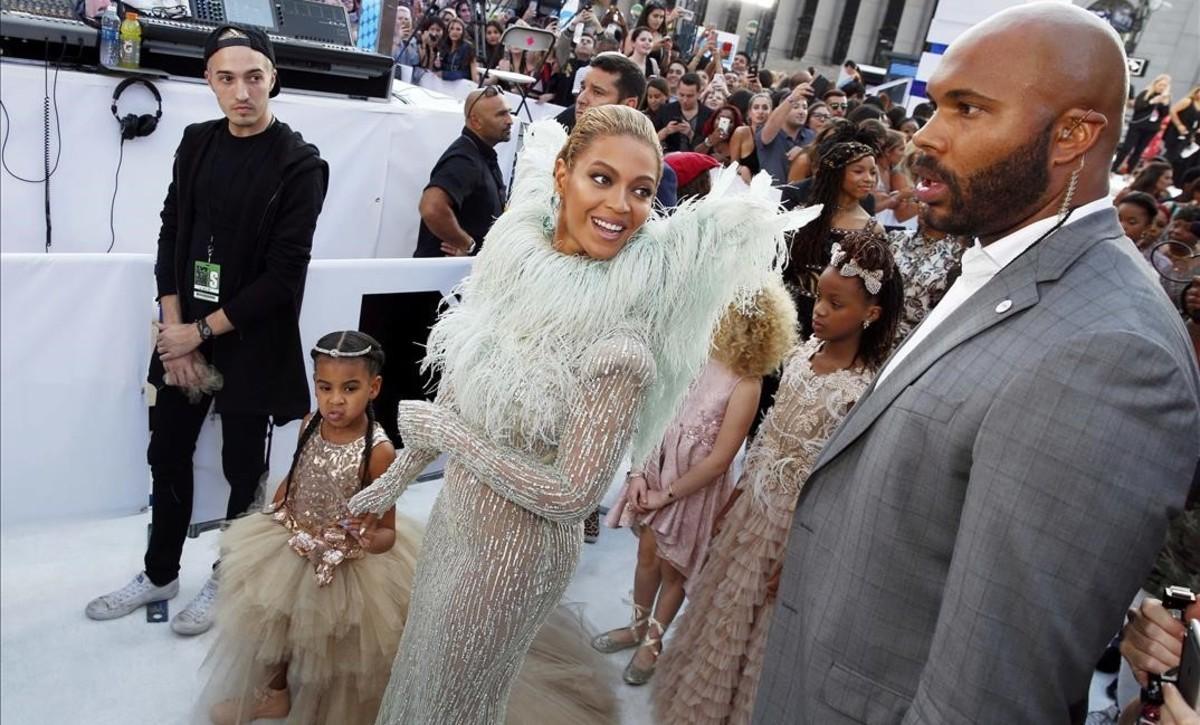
{"points": [[1137, 138], [174, 427]]}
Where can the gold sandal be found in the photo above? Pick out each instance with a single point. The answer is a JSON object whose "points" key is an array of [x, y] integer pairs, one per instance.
{"points": [[606, 644], [638, 676]]}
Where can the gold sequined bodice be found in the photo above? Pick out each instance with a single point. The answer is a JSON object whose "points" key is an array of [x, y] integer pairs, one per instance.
{"points": [[807, 409], [326, 476]]}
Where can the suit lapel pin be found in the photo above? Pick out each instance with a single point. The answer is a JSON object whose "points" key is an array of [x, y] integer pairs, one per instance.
{"points": [[1004, 306]]}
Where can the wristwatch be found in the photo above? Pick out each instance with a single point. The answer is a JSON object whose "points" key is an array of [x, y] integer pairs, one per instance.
{"points": [[206, 332]]}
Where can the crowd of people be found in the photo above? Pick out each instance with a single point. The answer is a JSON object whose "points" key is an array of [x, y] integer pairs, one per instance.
{"points": [[969, 410]]}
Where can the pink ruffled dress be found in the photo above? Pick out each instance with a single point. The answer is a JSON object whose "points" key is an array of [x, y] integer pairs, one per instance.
{"points": [[684, 528]]}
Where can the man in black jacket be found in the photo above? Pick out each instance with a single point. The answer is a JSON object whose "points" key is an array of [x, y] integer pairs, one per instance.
{"points": [[233, 253], [680, 120]]}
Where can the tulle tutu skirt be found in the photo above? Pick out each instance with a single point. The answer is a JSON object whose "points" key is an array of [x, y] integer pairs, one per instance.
{"points": [[339, 640]]}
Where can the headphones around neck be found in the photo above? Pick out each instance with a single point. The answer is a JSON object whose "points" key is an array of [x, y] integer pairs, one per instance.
{"points": [[134, 126]]}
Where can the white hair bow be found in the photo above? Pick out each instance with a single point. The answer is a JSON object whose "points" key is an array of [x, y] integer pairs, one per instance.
{"points": [[872, 279]]}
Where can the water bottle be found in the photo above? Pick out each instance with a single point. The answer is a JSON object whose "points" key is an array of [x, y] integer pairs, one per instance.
{"points": [[131, 42], [110, 40]]}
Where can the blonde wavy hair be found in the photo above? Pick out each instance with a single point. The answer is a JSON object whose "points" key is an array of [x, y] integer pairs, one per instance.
{"points": [[605, 121], [753, 340]]}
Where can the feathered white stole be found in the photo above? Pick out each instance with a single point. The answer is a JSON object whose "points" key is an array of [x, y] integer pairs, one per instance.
{"points": [[510, 352]]}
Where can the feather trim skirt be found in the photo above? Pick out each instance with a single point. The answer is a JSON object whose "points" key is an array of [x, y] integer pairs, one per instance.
{"points": [[339, 641]]}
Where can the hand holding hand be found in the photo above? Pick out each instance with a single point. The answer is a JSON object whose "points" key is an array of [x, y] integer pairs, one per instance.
{"points": [[654, 500], [637, 492], [176, 340], [362, 527]]}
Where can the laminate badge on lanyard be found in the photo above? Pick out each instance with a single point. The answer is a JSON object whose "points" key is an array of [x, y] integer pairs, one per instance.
{"points": [[207, 282]]}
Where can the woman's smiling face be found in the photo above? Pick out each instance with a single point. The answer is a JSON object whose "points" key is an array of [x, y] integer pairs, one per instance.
{"points": [[606, 197]]}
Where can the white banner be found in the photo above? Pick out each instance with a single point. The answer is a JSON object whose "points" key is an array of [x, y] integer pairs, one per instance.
{"points": [[379, 153], [73, 358]]}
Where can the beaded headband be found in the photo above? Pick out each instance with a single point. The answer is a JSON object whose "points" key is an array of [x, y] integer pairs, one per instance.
{"points": [[846, 153], [872, 278], [341, 353]]}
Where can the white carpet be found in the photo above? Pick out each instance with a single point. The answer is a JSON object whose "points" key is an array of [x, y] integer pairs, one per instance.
{"points": [[61, 668]]}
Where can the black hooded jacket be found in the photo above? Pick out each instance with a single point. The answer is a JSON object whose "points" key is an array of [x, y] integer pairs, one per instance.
{"points": [[262, 283]]}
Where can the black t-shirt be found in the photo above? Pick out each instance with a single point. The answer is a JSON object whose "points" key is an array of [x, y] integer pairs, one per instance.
{"points": [[220, 198], [678, 141], [470, 176]]}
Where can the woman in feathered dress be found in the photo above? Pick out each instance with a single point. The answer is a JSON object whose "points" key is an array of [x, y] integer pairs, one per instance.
{"points": [[584, 321]]}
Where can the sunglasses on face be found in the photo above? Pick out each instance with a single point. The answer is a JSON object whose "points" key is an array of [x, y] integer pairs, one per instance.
{"points": [[838, 106], [820, 116]]}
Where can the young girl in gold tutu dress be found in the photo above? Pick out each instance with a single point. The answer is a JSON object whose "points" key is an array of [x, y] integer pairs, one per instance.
{"points": [[313, 600]]}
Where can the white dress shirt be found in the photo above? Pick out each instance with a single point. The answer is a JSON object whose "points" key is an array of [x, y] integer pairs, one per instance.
{"points": [[979, 265]]}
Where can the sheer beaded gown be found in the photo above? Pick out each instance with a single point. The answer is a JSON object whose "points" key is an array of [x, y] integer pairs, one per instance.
{"points": [[549, 365]]}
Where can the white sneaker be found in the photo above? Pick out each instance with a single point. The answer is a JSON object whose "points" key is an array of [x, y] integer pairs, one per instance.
{"points": [[197, 616], [130, 598]]}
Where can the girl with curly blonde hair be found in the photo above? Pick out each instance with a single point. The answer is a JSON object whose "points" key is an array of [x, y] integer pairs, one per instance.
{"points": [[710, 675], [672, 500]]}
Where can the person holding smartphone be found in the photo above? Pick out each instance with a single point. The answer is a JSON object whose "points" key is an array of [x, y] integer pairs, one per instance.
{"points": [[1153, 641], [784, 131], [717, 132], [682, 119]]}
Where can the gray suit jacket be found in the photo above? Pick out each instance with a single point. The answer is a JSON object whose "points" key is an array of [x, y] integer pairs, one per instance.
{"points": [[971, 535]]}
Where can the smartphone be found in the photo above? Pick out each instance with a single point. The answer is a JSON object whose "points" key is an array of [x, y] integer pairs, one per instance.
{"points": [[820, 84], [1189, 666], [579, 27], [723, 125]]}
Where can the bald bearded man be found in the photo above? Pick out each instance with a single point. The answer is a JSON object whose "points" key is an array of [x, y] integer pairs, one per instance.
{"points": [[969, 538]]}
